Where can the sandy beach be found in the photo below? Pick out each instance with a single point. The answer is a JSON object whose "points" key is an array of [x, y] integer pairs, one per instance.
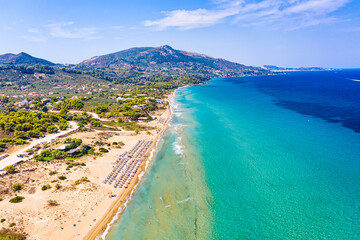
{"points": [[84, 209]]}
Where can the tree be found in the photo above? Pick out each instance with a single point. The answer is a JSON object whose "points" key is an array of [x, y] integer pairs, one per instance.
{"points": [[4, 99], [9, 169], [120, 120], [84, 148], [101, 109], [63, 126], [63, 111], [52, 129], [95, 123], [44, 109], [58, 154], [19, 134], [34, 133]]}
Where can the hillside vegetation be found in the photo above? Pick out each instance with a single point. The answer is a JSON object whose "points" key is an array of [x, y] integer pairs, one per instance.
{"points": [[167, 60]]}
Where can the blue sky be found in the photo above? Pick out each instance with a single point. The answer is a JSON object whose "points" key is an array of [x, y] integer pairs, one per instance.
{"points": [[254, 32]]}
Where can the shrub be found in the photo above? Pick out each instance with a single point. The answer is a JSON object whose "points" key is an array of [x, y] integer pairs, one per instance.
{"points": [[63, 126], [12, 224], [16, 199], [45, 187], [51, 129], [6, 234], [62, 177], [103, 150], [95, 123], [9, 169], [52, 173], [81, 180], [57, 186], [53, 203], [2, 220], [101, 109], [17, 187], [73, 164], [58, 154]]}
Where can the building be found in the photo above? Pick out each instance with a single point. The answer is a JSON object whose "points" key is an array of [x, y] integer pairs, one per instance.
{"points": [[45, 100], [22, 103], [141, 106]]}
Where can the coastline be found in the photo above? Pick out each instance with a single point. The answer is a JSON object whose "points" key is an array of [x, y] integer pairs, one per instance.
{"points": [[116, 209]]}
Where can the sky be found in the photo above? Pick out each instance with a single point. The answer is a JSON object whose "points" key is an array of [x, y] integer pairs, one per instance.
{"points": [[288, 33]]}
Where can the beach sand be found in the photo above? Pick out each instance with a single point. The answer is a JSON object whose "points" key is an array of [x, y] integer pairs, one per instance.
{"points": [[121, 199]]}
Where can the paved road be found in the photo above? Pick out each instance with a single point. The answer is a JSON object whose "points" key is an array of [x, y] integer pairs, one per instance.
{"points": [[13, 159]]}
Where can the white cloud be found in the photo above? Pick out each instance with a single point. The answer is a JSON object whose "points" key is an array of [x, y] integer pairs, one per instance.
{"points": [[66, 30], [33, 30], [34, 38], [284, 14], [117, 27], [7, 27], [34, 35], [191, 19]]}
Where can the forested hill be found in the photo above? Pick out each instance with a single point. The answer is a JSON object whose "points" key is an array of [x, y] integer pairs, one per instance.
{"points": [[170, 61], [22, 59]]}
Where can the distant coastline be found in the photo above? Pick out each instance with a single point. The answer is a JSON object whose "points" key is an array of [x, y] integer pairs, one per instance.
{"points": [[288, 69]]}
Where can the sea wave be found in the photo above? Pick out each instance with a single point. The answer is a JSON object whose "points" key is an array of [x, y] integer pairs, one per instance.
{"points": [[123, 206], [117, 215], [178, 148], [354, 79], [185, 200]]}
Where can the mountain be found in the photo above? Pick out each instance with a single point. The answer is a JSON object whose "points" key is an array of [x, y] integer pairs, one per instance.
{"points": [[165, 59], [22, 59]]}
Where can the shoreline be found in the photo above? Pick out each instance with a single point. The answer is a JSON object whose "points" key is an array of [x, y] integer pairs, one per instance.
{"points": [[116, 209]]}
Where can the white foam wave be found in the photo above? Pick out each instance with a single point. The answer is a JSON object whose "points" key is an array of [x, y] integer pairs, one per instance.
{"points": [[185, 200], [183, 163], [117, 215], [178, 148], [354, 79]]}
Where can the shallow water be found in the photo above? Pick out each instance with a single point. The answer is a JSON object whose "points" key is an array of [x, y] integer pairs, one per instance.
{"points": [[273, 157]]}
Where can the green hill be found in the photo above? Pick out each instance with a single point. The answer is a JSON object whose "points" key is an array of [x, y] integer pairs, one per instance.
{"points": [[22, 59], [167, 60]]}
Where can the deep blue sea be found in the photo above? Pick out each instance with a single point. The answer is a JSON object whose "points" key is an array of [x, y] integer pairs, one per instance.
{"points": [[267, 157]]}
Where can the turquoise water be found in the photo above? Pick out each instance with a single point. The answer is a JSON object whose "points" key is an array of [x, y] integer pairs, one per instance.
{"points": [[240, 162]]}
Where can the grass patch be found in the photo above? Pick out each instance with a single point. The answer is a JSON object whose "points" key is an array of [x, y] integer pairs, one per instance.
{"points": [[16, 199], [62, 177], [45, 187], [9, 235], [53, 203], [17, 187], [130, 126], [79, 155]]}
